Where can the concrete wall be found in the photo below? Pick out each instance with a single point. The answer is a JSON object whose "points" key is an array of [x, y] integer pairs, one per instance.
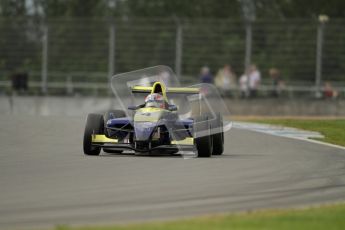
{"points": [[287, 107], [76, 106], [70, 106]]}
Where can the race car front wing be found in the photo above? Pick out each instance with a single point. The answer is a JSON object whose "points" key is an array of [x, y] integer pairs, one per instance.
{"points": [[99, 140]]}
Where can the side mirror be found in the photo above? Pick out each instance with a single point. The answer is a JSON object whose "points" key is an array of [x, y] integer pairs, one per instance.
{"points": [[132, 107], [172, 107]]}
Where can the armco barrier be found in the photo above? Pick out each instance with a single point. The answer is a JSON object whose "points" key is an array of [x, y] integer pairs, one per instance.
{"points": [[77, 106]]}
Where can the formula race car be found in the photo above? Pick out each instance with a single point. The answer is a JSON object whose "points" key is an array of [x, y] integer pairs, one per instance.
{"points": [[155, 126]]}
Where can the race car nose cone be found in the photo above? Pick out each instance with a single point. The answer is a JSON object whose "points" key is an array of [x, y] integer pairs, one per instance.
{"points": [[143, 130]]}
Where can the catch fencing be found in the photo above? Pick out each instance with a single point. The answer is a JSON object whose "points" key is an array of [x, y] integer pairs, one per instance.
{"points": [[71, 55]]}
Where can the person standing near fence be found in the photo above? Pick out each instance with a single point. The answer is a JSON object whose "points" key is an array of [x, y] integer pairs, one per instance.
{"points": [[274, 74], [329, 92], [243, 83], [225, 79], [19, 81], [254, 80], [205, 75]]}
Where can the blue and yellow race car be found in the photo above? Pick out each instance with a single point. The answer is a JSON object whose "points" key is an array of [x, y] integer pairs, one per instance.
{"points": [[155, 127]]}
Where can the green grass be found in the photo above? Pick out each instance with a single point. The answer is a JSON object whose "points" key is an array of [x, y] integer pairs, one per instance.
{"points": [[327, 217], [333, 130]]}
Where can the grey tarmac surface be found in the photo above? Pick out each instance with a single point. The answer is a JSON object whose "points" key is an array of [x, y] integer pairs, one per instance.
{"points": [[46, 180]]}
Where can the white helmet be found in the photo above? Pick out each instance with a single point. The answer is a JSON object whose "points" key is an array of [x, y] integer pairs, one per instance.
{"points": [[154, 100]]}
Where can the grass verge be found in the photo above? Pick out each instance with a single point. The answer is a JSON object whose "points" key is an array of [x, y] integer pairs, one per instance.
{"points": [[332, 129], [326, 217]]}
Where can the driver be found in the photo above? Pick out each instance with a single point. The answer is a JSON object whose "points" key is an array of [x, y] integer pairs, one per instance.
{"points": [[155, 100]]}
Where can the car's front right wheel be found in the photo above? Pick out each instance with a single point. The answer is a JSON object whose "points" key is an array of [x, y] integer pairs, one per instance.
{"points": [[94, 125]]}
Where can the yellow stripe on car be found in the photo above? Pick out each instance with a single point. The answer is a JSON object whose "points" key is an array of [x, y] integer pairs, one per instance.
{"points": [[186, 141], [151, 109], [148, 114], [98, 138], [142, 89], [145, 119], [182, 90]]}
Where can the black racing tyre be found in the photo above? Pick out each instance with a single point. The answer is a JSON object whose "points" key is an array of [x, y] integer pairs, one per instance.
{"points": [[110, 114], [202, 137], [94, 125], [218, 136]]}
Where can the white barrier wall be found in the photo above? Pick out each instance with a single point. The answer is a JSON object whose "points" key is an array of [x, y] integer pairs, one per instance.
{"points": [[46, 106], [76, 106]]}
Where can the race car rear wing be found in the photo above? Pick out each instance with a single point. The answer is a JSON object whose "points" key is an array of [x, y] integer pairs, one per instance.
{"points": [[169, 90]]}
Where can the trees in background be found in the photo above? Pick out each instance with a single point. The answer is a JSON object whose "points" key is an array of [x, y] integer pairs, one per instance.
{"points": [[81, 44]]}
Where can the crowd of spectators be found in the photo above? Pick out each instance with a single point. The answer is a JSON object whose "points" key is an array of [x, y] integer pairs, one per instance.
{"points": [[248, 84], [227, 82]]}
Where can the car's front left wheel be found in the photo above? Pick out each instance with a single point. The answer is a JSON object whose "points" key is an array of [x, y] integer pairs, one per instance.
{"points": [[217, 135], [202, 135]]}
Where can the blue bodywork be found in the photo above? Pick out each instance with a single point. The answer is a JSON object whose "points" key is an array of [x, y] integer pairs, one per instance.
{"points": [[143, 131]]}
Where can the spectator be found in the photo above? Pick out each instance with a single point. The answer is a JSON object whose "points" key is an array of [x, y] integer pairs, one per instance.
{"points": [[243, 82], [254, 80], [19, 81], [329, 91], [274, 74], [225, 79], [205, 75]]}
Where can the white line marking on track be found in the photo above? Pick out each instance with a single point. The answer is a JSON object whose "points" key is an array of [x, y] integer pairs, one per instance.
{"points": [[282, 131]]}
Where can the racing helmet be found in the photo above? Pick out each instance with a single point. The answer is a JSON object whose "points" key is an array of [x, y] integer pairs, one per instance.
{"points": [[154, 100]]}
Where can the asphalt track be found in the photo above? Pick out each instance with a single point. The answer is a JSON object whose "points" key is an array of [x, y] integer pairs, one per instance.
{"points": [[46, 180]]}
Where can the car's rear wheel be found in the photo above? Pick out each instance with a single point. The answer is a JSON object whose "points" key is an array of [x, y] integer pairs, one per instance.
{"points": [[202, 137], [218, 135], [94, 125], [111, 114]]}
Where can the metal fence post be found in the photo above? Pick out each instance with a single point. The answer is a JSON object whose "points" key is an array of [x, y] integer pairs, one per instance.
{"points": [[44, 70], [319, 45], [111, 57], [249, 15], [248, 51], [178, 51]]}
